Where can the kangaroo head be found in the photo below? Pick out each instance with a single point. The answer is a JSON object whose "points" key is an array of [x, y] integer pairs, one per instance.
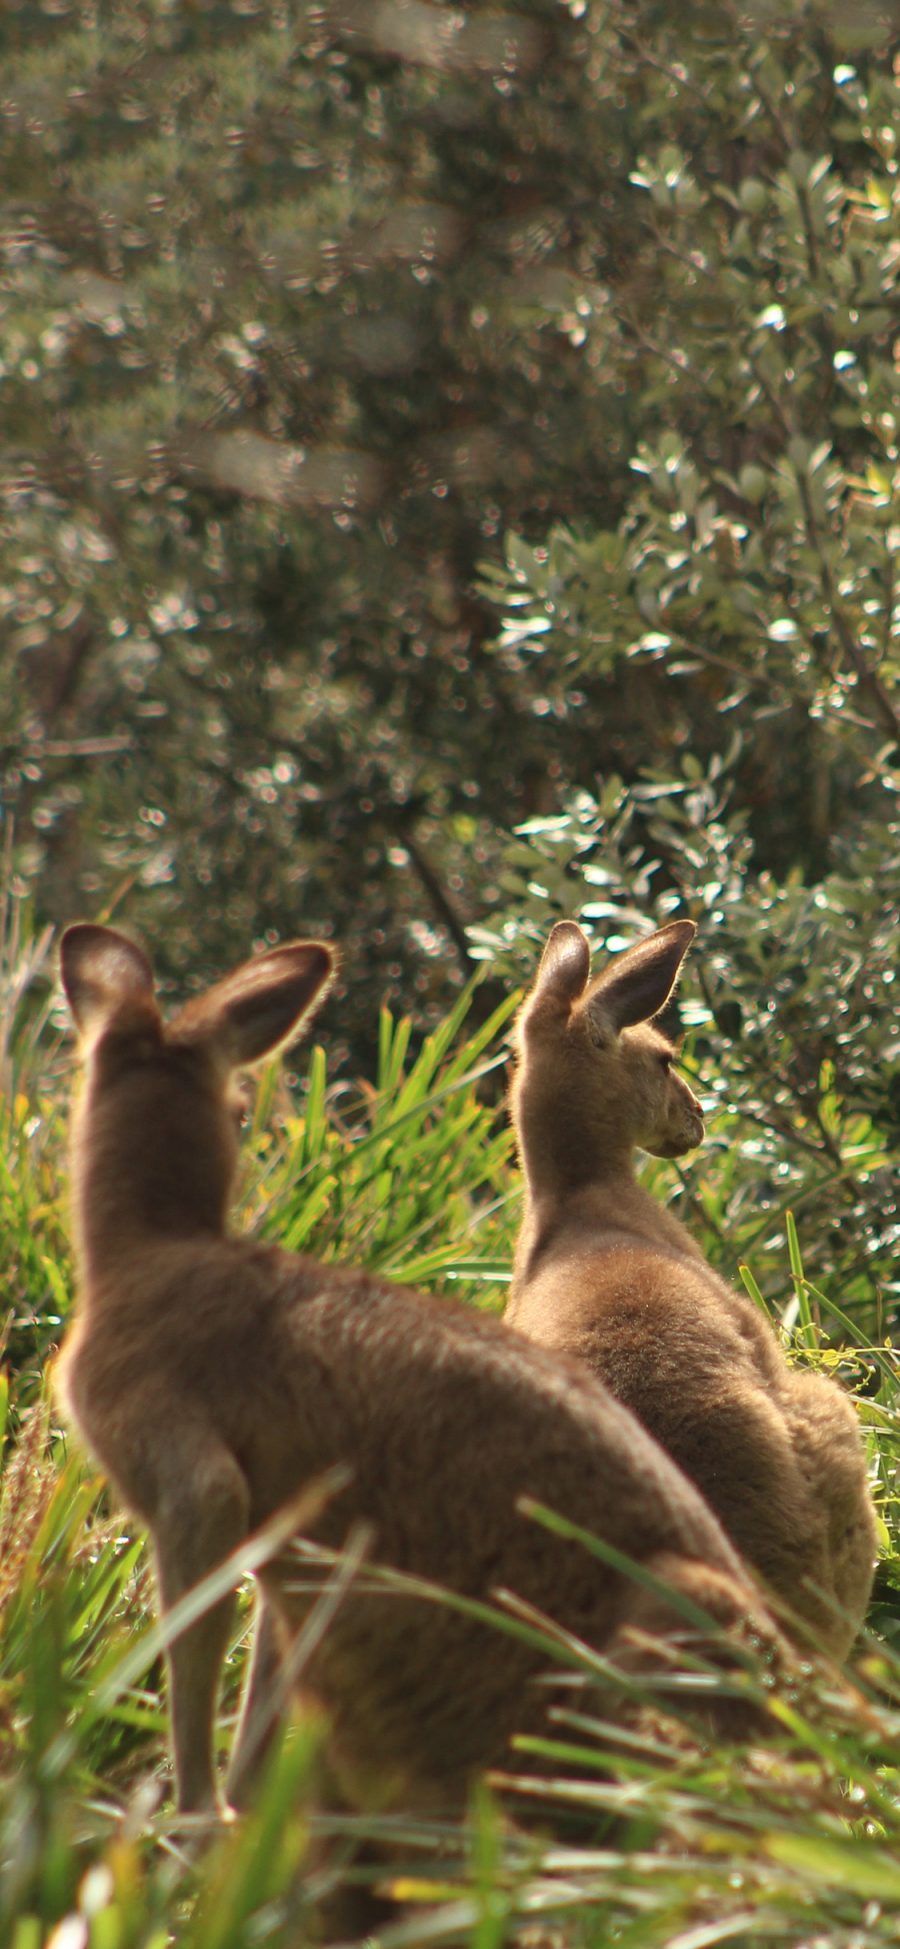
{"points": [[595, 1077], [157, 1113]]}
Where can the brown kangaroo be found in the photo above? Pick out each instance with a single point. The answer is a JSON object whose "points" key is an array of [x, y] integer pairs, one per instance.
{"points": [[604, 1272], [213, 1377]]}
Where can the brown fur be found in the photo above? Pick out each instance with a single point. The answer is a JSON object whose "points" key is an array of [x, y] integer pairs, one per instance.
{"points": [[605, 1273], [212, 1377]]}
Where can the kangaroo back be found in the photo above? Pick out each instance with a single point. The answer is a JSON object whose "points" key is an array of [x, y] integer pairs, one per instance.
{"points": [[214, 1377], [603, 1272]]}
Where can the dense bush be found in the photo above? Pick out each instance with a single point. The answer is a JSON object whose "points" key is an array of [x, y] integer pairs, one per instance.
{"points": [[302, 317]]}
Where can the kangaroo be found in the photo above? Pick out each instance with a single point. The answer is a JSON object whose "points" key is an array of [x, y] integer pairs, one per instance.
{"points": [[213, 1376], [604, 1272]]}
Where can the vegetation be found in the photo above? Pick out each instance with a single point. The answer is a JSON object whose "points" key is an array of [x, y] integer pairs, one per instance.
{"points": [[304, 315], [450, 471], [653, 1836]]}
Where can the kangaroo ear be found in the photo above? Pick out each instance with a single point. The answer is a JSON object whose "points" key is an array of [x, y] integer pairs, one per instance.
{"points": [[564, 968], [641, 980], [101, 969], [263, 1004]]}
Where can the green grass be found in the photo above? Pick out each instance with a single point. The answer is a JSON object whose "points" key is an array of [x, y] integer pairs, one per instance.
{"points": [[410, 1177], [657, 1836]]}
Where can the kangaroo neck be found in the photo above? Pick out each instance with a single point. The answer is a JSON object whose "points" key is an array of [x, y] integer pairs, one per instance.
{"points": [[560, 1217], [134, 1196]]}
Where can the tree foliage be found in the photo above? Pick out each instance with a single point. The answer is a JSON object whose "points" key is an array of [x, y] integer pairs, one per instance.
{"points": [[745, 603], [305, 310], [294, 334]]}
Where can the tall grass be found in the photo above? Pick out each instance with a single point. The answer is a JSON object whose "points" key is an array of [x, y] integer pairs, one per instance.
{"points": [[650, 1836], [409, 1176]]}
